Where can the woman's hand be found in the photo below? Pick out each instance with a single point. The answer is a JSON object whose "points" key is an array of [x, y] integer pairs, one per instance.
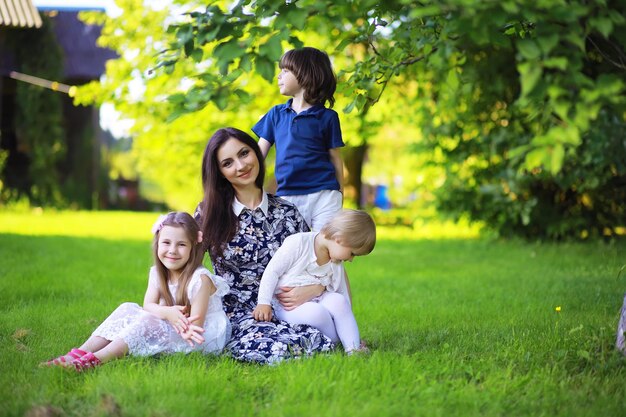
{"points": [[262, 312], [177, 317], [292, 297]]}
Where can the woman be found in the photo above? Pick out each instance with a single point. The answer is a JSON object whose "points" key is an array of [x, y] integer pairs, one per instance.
{"points": [[243, 227]]}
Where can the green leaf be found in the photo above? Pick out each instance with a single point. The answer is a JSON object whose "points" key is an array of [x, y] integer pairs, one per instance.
{"points": [[569, 135], [548, 42], [245, 63], [452, 80], [510, 7], [233, 75], [208, 34], [529, 49], [174, 115], [177, 98], [184, 34], [342, 45], [296, 42], [609, 85], [265, 67], [425, 11], [297, 16], [536, 158], [197, 54], [577, 39], [360, 101], [604, 25], [244, 96], [272, 49], [226, 52], [558, 155], [556, 62], [350, 106], [221, 99], [530, 73], [518, 151], [189, 47], [616, 17], [561, 108]]}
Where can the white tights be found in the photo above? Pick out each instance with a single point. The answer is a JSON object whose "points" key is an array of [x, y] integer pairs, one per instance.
{"points": [[332, 314]]}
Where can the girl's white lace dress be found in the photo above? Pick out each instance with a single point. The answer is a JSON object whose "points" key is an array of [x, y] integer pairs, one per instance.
{"points": [[148, 335]]}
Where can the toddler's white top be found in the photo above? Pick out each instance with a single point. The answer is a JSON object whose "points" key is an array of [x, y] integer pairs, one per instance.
{"points": [[295, 265]]}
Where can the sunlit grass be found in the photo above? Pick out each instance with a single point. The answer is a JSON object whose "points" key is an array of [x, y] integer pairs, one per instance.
{"points": [[458, 325], [133, 225], [106, 224]]}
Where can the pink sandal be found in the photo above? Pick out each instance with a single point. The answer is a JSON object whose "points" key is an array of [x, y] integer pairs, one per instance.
{"points": [[87, 361], [61, 361]]}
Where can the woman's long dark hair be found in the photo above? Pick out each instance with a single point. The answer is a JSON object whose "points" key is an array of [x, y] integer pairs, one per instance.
{"points": [[218, 221]]}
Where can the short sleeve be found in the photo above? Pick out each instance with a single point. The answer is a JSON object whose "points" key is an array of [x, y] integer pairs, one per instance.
{"points": [[333, 131], [221, 287], [264, 128]]}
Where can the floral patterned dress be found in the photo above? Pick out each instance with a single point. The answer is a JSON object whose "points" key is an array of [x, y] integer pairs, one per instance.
{"points": [[242, 264]]}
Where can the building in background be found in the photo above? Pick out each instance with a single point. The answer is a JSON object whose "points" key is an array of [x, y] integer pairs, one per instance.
{"points": [[50, 150]]}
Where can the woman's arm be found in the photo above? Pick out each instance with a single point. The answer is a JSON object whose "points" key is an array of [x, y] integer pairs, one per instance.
{"points": [[292, 297]]}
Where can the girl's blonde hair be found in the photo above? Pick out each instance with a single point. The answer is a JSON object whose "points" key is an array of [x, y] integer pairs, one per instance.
{"points": [[191, 228], [355, 227]]}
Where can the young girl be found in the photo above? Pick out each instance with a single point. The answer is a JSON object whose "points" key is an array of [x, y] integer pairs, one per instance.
{"points": [[315, 258], [307, 135], [182, 309]]}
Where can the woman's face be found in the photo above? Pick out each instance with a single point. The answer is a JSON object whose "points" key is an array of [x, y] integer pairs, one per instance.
{"points": [[238, 163]]}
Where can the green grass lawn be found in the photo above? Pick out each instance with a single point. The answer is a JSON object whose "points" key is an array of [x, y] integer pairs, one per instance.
{"points": [[458, 326]]}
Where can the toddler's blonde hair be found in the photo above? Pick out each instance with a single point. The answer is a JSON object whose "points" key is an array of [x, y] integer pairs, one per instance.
{"points": [[355, 227]]}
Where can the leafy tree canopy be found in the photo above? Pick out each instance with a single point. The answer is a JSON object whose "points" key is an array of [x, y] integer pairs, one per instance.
{"points": [[520, 104]]}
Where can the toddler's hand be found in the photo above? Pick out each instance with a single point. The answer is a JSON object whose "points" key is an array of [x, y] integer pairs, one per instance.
{"points": [[262, 312]]}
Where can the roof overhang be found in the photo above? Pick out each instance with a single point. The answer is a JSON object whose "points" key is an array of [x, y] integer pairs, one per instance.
{"points": [[19, 13]]}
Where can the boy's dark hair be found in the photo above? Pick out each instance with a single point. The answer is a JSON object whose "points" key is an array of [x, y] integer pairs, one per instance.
{"points": [[314, 73]]}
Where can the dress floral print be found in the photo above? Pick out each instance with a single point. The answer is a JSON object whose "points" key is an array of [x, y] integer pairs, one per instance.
{"points": [[242, 265]]}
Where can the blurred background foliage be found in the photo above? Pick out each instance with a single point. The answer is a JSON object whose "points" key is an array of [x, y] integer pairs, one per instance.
{"points": [[508, 113]]}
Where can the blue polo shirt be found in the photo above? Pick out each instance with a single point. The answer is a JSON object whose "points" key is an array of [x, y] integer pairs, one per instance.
{"points": [[302, 144]]}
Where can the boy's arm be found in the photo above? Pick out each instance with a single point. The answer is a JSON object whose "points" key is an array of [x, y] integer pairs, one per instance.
{"points": [[265, 146], [337, 161]]}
